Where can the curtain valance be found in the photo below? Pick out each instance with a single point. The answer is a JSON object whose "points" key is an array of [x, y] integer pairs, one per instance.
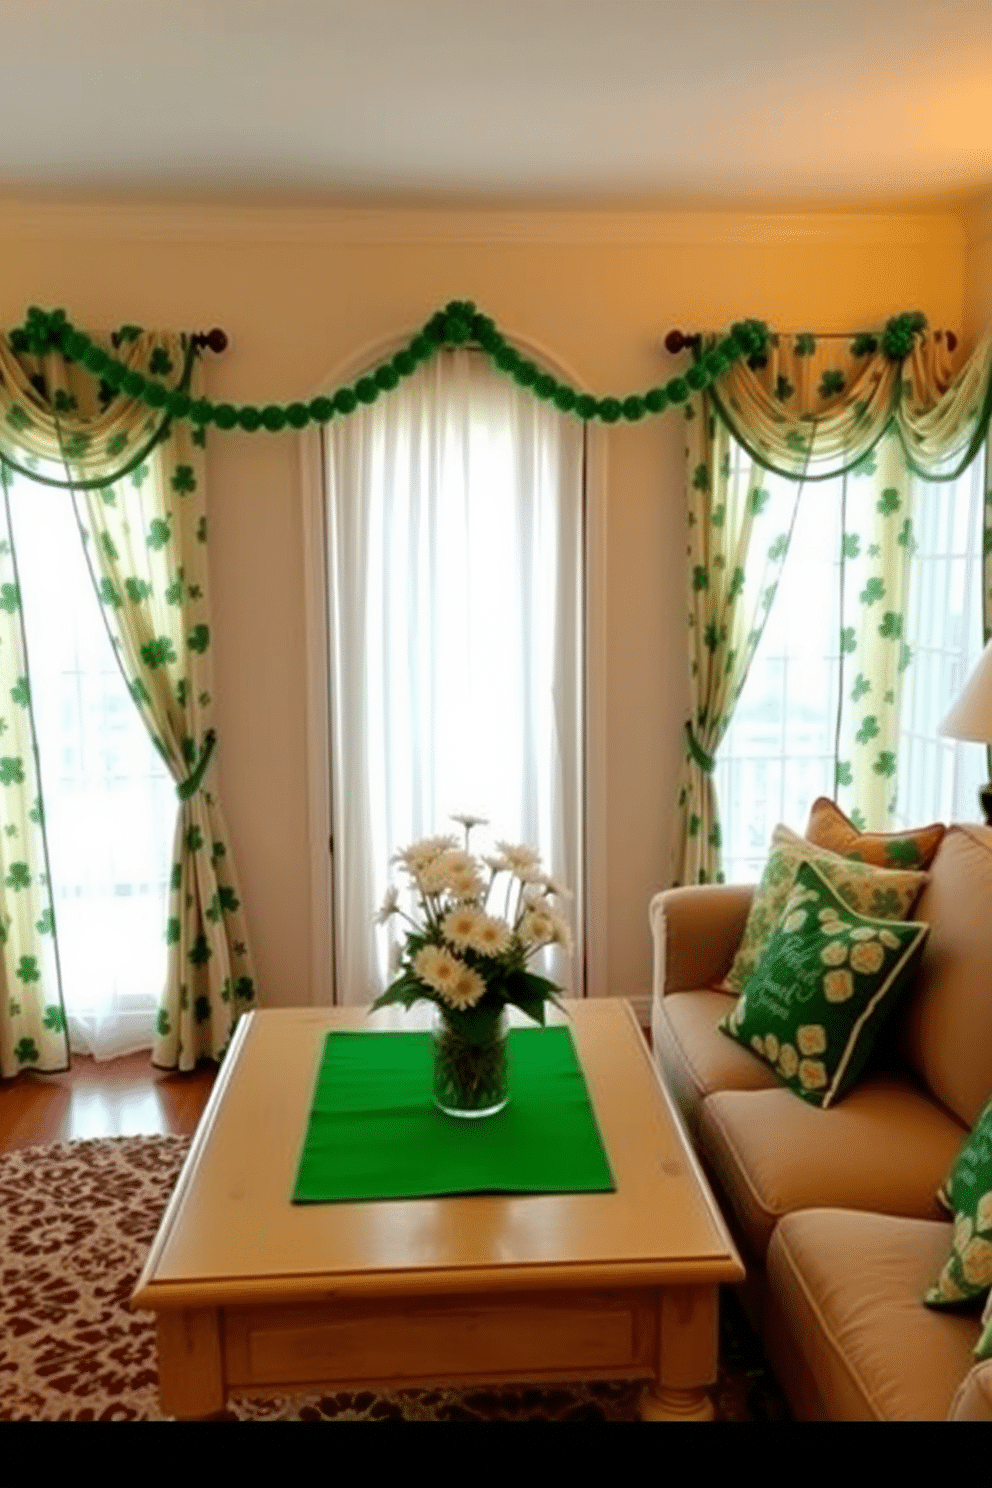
{"points": [[812, 408]]}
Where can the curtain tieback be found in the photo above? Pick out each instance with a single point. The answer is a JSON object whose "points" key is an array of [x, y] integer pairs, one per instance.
{"points": [[703, 760], [191, 784]]}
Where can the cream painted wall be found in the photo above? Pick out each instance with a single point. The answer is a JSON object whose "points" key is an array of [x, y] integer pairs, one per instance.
{"points": [[978, 270], [301, 291]]}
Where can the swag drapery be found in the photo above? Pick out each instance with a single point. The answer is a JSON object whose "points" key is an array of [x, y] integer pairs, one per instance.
{"points": [[137, 485], [815, 409]]}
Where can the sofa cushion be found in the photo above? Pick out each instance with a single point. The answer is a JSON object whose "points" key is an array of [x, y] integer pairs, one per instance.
{"points": [[887, 1147], [826, 983], [693, 1056], [847, 1286], [947, 1020], [967, 1270], [829, 827], [882, 892], [983, 1348]]}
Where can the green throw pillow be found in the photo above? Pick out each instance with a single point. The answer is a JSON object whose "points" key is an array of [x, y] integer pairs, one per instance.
{"points": [[885, 893], [826, 983], [967, 1271]]}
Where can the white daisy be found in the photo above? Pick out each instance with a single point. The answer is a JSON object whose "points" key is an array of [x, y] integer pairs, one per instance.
{"points": [[390, 905], [465, 991], [490, 937], [458, 925], [436, 966]]}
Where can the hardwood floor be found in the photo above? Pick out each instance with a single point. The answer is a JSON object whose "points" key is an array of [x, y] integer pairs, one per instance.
{"points": [[114, 1098]]}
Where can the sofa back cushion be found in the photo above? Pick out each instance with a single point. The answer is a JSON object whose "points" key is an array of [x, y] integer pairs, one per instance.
{"points": [[946, 1024]]}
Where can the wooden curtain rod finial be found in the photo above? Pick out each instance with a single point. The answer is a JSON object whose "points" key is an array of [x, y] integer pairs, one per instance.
{"points": [[215, 340], [676, 341]]}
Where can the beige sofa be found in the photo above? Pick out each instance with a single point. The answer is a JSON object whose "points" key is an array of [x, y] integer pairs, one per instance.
{"points": [[835, 1211]]}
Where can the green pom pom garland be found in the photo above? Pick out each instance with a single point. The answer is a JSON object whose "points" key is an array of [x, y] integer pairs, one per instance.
{"points": [[458, 324]]}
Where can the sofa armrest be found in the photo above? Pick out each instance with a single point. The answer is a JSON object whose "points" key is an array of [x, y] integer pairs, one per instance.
{"points": [[696, 933], [973, 1401]]}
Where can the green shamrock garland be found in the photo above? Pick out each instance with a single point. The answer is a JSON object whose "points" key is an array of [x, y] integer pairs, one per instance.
{"points": [[458, 324]]}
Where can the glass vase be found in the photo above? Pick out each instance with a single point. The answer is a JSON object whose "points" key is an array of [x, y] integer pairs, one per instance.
{"points": [[471, 1074]]}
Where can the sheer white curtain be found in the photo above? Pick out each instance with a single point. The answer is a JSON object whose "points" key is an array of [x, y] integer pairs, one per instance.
{"points": [[455, 562], [110, 805]]}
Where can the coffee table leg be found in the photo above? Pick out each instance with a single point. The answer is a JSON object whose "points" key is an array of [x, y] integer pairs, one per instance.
{"points": [[687, 1356], [190, 1367]]}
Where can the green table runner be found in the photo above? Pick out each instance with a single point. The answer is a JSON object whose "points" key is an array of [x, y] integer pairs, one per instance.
{"points": [[374, 1132]]}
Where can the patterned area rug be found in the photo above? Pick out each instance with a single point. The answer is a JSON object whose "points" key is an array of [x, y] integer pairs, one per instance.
{"points": [[76, 1222]]}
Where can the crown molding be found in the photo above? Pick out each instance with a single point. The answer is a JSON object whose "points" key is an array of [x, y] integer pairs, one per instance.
{"points": [[206, 222]]}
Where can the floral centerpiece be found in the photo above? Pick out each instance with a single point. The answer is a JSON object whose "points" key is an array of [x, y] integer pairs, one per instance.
{"points": [[471, 960]]}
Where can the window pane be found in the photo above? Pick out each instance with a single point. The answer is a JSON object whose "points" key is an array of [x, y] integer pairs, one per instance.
{"points": [[110, 805]]}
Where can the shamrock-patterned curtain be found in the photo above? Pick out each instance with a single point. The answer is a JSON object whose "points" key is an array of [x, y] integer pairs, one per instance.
{"points": [[138, 490], [819, 408], [739, 523], [33, 1028]]}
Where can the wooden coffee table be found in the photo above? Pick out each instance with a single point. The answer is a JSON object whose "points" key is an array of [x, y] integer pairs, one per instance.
{"points": [[257, 1296]]}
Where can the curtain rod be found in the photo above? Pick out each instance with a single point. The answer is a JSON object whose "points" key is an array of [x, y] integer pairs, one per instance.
{"points": [[215, 340], [677, 341]]}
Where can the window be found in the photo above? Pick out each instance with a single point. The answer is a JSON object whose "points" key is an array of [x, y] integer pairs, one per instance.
{"points": [[455, 542], [110, 805], [778, 754]]}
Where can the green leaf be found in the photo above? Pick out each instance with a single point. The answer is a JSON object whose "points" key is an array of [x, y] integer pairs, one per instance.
{"points": [[903, 852], [889, 501], [885, 765], [851, 545], [12, 771], [162, 1024], [700, 578], [804, 344], [76, 445], [10, 598], [843, 772], [201, 1009], [200, 953], [21, 692], [26, 1051], [158, 652], [199, 638], [831, 383], [160, 362], [109, 595], [158, 533], [46, 924], [868, 730], [757, 501], [891, 626], [28, 971], [172, 931], [18, 877], [701, 477], [861, 686], [183, 480], [874, 589], [115, 444], [194, 839], [783, 388], [137, 590], [867, 465]]}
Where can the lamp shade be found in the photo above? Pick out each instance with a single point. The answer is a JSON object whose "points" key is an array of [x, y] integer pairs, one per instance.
{"points": [[971, 716]]}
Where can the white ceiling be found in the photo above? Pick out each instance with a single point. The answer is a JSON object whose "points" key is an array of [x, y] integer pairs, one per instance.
{"points": [[724, 103]]}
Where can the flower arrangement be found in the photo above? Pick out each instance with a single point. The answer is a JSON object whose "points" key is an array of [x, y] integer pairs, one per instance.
{"points": [[458, 953]]}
